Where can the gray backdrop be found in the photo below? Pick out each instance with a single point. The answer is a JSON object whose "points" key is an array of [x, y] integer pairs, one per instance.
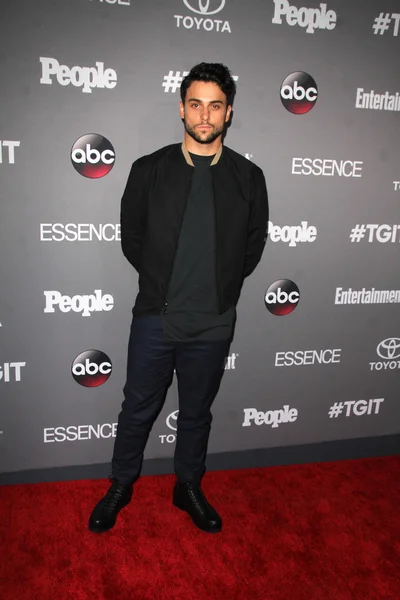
{"points": [[143, 41]]}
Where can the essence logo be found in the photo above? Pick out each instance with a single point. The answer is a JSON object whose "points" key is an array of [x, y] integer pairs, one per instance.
{"points": [[77, 433], [93, 155], [299, 93], [282, 297], [80, 232], [91, 368]]}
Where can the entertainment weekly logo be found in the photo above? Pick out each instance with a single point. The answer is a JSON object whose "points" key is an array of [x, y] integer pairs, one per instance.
{"points": [[364, 296], [87, 78], [7, 151], [309, 19], [202, 16], [230, 361], [80, 232], [389, 353], [327, 167], [375, 101]]}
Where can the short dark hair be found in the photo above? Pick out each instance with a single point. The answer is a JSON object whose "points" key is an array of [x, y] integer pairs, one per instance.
{"points": [[211, 72]]}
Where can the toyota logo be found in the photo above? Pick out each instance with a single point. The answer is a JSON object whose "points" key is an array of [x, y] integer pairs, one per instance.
{"points": [[204, 5], [171, 420], [389, 349]]}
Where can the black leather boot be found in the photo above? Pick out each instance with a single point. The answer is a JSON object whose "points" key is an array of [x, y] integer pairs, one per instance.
{"points": [[105, 513], [188, 497]]}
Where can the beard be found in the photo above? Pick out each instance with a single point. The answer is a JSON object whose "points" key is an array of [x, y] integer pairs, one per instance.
{"points": [[209, 139]]}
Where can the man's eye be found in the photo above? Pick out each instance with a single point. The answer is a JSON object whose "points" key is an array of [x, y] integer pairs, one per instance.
{"points": [[215, 105], [194, 105]]}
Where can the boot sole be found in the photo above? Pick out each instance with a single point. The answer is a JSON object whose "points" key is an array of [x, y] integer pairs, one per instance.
{"points": [[98, 529], [202, 527]]}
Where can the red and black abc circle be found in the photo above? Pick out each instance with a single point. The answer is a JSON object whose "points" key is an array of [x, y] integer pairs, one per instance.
{"points": [[299, 93], [282, 297], [91, 368], [93, 155]]}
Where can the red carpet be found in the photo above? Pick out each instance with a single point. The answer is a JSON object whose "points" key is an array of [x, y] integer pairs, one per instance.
{"points": [[327, 531]]}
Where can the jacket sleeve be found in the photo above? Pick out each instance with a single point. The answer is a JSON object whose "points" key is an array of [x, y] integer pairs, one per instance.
{"points": [[258, 222], [133, 214]]}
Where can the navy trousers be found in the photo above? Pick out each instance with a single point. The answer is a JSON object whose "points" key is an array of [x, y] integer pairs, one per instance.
{"points": [[151, 361]]}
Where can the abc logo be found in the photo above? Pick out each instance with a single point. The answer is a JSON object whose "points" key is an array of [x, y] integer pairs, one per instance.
{"points": [[299, 93], [282, 297], [91, 368], [93, 155]]}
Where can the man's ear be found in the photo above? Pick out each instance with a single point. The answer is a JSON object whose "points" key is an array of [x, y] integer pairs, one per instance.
{"points": [[228, 113], [181, 110]]}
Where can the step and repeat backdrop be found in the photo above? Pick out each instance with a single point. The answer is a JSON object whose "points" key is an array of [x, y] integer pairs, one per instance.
{"points": [[91, 85]]}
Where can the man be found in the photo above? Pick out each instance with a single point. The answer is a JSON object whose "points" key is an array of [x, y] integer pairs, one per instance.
{"points": [[193, 224]]}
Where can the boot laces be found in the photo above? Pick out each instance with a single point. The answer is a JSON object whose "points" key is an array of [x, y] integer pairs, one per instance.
{"points": [[195, 492], [114, 495]]}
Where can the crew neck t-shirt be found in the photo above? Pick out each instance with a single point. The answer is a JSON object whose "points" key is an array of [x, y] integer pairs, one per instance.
{"points": [[192, 301]]}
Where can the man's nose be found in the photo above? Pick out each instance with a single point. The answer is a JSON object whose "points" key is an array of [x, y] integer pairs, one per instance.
{"points": [[205, 114]]}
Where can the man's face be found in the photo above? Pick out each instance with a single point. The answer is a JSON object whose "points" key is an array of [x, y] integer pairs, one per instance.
{"points": [[205, 111]]}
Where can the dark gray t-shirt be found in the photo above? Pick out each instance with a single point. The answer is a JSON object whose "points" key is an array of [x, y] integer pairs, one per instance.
{"points": [[192, 309]]}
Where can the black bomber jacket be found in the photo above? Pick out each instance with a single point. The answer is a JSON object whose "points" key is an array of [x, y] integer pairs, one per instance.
{"points": [[152, 209]]}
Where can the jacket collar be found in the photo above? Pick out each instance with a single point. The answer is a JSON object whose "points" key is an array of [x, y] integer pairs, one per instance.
{"points": [[188, 158]]}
